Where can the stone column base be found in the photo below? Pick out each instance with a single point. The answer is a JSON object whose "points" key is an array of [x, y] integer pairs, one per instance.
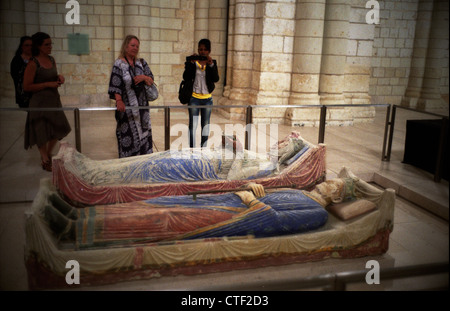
{"points": [[424, 103], [303, 116], [237, 114]]}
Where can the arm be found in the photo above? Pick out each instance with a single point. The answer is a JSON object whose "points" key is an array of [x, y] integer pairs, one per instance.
{"points": [[189, 71], [248, 197], [14, 69], [212, 71], [116, 85], [147, 77], [119, 102]]}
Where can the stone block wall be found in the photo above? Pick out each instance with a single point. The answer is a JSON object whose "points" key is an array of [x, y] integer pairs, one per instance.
{"points": [[392, 50], [278, 52], [412, 35], [168, 31]]}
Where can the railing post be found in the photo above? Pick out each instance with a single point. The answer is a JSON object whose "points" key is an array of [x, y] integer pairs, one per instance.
{"points": [[386, 130], [323, 117], [248, 120], [440, 153], [391, 133], [167, 128], [76, 114]]}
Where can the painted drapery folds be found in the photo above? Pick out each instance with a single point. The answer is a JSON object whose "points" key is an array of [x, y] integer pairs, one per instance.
{"points": [[183, 218], [280, 228], [291, 161]]}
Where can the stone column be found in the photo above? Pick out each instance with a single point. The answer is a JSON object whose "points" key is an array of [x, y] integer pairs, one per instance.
{"points": [[421, 38], [273, 71], [217, 33], [240, 57], [201, 21], [307, 56], [430, 96], [357, 68], [332, 73], [430, 46], [12, 24]]}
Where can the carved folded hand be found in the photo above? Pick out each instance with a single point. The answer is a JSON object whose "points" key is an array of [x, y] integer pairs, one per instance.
{"points": [[248, 196]]}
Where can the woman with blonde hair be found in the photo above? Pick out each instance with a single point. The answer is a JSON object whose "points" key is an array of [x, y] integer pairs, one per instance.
{"points": [[129, 76]]}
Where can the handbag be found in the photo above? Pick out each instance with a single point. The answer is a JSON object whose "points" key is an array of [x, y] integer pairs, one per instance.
{"points": [[185, 92], [151, 91]]}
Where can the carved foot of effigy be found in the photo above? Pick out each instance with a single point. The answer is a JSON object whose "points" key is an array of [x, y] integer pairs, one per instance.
{"points": [[62, 226], [65, 208]]}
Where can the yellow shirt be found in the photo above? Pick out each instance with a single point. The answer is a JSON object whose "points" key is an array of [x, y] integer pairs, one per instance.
{"points": [[200, 83]]}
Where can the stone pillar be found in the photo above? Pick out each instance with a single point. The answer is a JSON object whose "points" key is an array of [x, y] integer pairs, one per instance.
{"points": [[201, 21], [430, 46], [240, 59], [273, 71], [357, 68], [12, 25], [217, 33], [430, 96], [307, 56], [334, 52], [421, 38]]}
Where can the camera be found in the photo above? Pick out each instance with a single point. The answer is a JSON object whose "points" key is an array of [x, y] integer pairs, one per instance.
{"points": [[195, 57]]}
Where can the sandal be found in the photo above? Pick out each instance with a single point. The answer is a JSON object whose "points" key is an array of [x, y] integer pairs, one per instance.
{"points": [[46, 166]]}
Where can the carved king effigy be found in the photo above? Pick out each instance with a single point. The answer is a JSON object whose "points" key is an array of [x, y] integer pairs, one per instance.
{"points": [[83, 181], [252, 227]]}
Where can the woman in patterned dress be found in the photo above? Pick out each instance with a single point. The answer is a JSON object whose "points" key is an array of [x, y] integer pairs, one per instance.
{"points": [[129, 73]]}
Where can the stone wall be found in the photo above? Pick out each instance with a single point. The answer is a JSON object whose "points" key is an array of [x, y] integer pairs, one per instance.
{"points": [[412, 36], [278, 52], [168, 31]]}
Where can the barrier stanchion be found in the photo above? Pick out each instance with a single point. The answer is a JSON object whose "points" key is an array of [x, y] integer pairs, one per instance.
{"points": [[76, 114]]}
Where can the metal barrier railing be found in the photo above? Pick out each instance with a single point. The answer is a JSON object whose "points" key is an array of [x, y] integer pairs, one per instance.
{"points": [[443, 135], [335, 281], [248, 118]]}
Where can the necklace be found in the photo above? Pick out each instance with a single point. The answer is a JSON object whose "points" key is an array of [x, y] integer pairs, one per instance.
{"points": [[202, 67]]}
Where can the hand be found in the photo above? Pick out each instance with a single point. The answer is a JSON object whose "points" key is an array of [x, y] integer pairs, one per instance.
{"points": [[246, 196], [53, 84], [257, 189], [146, 79], [61, 79], [209, 61], [193, 61], [120, 105]]}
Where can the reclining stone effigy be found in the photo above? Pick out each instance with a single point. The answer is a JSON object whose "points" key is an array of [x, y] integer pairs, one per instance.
{"points": [[83, 181], [344, 217]]}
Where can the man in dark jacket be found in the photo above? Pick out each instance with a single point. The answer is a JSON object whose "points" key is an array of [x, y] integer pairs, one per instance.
{"points": [[200, 71]]}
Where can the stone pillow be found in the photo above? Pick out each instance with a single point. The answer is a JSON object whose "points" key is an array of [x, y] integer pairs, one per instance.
{"points": [[352, 209]]}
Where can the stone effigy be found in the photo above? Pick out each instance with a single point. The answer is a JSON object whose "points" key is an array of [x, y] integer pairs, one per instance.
{"points": [[257, 233], [83, 181]]}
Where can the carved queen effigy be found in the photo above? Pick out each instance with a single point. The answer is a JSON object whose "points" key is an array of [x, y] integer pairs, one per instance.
{"points": [[83, 181]]}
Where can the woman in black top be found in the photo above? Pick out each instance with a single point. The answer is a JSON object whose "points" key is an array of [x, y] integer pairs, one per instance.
{"points": [[17, 69], [201, 74]]}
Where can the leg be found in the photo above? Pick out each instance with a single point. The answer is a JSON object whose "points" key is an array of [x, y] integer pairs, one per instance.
{"points": [[206, 116], [45, 161], [50, 145], [193, 121]]}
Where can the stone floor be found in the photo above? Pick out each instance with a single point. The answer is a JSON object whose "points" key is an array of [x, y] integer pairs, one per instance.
{"points": [[420, 236]]}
